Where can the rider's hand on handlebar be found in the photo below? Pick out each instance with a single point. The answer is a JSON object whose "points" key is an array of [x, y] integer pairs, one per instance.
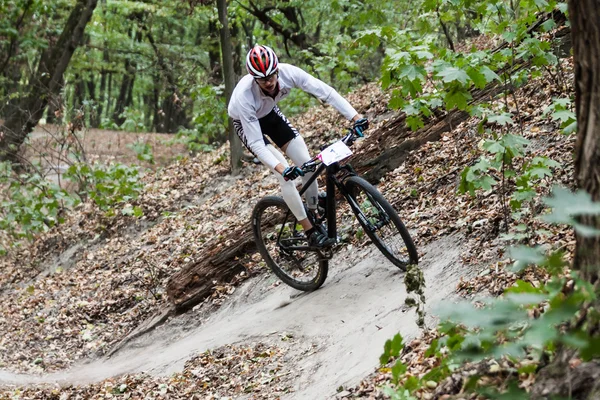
{"points": [[291, 173], [360, 125]]}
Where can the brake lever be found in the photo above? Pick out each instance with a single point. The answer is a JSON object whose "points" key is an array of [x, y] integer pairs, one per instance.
{"points": [[309, 166]]}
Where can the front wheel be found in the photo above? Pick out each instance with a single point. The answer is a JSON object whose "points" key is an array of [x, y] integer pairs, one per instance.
{"points": [[282, 244], [381, 222]]}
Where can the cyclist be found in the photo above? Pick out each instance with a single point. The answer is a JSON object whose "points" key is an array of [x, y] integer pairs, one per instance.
{"points": [[253, 108]]}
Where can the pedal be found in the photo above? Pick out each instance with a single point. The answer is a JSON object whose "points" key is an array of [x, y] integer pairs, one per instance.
{"points": [[325, 253]]}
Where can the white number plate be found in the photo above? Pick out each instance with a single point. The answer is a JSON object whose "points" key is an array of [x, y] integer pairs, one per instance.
{"points": [[334, 153]]}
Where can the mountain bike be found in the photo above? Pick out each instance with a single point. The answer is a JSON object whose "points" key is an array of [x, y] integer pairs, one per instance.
{"points": [[281, 240]]}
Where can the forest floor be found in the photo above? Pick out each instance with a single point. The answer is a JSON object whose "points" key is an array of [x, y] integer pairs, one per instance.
{"points": [[71, 298]]}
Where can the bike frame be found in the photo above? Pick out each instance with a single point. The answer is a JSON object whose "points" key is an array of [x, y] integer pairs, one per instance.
{"points": [[332, 184]]}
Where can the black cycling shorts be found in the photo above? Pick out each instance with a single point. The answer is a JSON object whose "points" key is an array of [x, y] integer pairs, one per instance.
{"points": [[274, 125]]}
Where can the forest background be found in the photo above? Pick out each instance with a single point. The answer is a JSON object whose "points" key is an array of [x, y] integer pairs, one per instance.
{"points": [[168, 67]]}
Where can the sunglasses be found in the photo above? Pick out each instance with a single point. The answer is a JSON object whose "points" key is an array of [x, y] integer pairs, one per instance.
{"points": [[267, 78]]}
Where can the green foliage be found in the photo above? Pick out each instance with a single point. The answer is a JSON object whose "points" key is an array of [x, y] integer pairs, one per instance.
{"points": [[416, 60], [210, 121], [297, 102], [528, 321], [500, 162], [143, 151], [133, 120], [107, 185], [561, 110], [567, 206], [31, 203]]}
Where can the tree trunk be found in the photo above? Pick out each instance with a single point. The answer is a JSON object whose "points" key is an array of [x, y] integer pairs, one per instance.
{"points": [[214, 55], [226, 52], [173, 104], [97, 119], [120, 104], [45, 82], [585, 25], [238, 58], [559, 378]]}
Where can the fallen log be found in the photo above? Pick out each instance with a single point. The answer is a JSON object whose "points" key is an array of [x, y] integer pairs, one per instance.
{"points": [[219, 261]]}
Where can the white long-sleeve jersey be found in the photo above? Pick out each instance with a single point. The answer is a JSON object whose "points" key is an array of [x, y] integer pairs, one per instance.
{"points": [[249, 103]]}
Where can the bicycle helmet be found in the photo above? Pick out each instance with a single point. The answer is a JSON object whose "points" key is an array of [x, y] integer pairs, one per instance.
{"points": [[261, 61]]}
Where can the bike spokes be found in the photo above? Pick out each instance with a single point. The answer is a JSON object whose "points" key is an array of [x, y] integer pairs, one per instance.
{"points": [[285, 244], [381, 223]]}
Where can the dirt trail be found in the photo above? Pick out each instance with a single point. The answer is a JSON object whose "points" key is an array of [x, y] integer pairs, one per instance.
{"points": [[345, 323]]}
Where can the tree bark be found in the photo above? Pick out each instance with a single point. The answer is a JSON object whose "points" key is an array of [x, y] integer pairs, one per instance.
{"points": [[214, 55], [559, 378], [585, 25], [229, 76], [195, 282], [44, 82], [173, 104]]}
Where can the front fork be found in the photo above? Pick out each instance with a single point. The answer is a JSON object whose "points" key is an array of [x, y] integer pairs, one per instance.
{"points": [[332, 183]]}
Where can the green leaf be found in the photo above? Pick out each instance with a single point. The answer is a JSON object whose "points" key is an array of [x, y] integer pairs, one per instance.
{"points": [[397, 370], [525, 256], [501, 119], [489, 74], [414, 122], [493, 146], [563, 115], [486, 182], [562, 7], [570, 128], [509, 36], [524, 194], [565, 205], [452, 74], [391, 348], [477, 77], [523, 287], [540, 172], [457, 97], [548, 25], [412, 72]]}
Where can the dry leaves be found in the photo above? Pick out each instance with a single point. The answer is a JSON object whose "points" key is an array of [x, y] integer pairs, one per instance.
{"points": [[78, 290]]}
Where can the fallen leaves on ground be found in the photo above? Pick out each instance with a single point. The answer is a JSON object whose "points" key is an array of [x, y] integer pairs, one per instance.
{"points": [[81, 288]]}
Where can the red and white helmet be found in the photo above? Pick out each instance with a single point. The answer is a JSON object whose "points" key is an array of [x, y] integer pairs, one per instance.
{"points": [[261, 61]]}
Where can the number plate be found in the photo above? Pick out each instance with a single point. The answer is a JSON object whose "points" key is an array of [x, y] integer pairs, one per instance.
{"points": [[334, 153]]}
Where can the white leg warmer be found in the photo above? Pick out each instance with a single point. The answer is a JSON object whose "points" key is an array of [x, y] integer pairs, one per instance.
{"points": [[288, 188], [298, 153]]}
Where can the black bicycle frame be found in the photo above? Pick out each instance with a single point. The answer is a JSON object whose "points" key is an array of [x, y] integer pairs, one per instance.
{"points": [[331, 183]]}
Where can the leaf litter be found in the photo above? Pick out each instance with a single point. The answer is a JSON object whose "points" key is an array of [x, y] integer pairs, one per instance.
{"points": [[80, 306]]}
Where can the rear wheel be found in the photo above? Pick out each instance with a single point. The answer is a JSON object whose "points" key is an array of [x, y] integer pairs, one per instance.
{"points": [[381, 223], [282, 244]]}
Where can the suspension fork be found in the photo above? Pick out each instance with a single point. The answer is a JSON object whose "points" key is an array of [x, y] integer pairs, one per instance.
{"points": [[331, 183], [330, 203]]}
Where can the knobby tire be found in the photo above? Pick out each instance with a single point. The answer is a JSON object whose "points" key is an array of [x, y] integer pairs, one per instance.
{"points": [[357, 185], [268, 217]]}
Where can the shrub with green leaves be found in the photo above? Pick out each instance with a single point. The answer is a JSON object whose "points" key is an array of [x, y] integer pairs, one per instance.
{"points": [[210, 122], [31, 203], [526, 325], [561, 110], [143, 151], [107, 185]]}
